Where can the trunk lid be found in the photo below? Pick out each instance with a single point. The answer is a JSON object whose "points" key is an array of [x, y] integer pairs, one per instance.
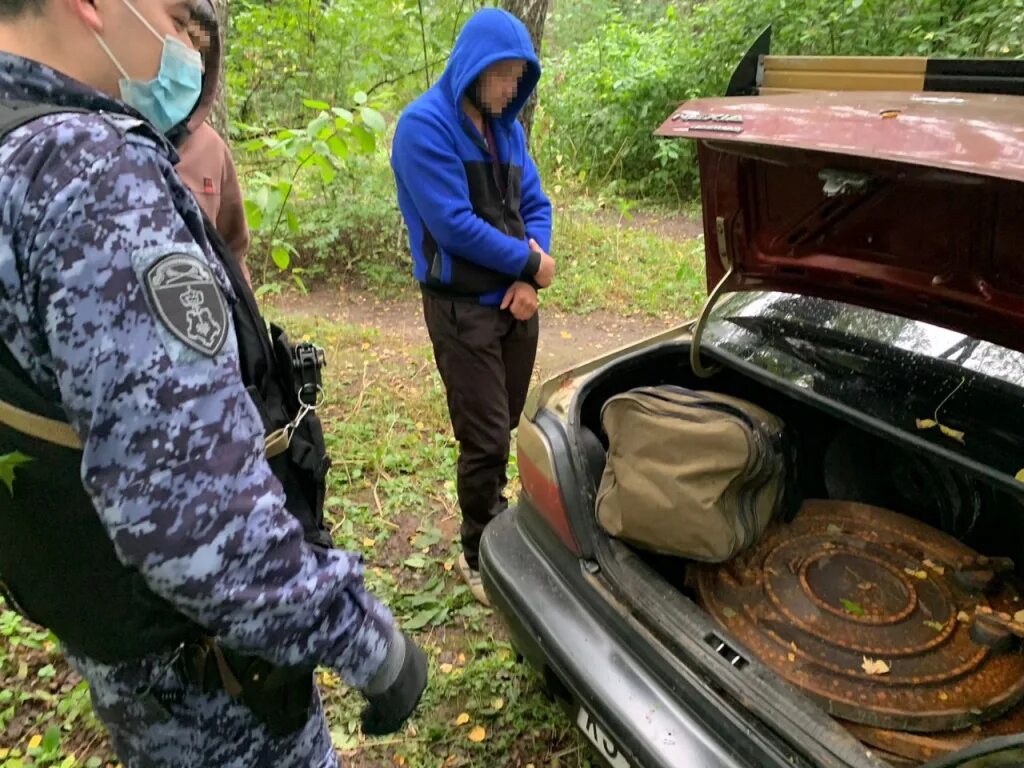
{"points": [[909, 203]]}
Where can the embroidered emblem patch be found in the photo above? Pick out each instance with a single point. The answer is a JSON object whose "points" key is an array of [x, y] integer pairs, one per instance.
{"points": [[188, 302]]}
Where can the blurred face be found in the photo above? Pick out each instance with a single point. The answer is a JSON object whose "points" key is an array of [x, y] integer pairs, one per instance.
{"points": [[136, 42], [500, 83]]}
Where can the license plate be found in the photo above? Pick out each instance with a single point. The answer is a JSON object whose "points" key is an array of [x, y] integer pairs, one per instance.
{"points": [[600, 740]]}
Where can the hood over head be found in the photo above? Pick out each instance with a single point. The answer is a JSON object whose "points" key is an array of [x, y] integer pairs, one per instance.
{"points": [[207, 39], [491, 35]]}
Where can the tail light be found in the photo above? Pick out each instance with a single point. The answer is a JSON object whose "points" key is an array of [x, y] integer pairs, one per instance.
{"points": [[540, 482]]}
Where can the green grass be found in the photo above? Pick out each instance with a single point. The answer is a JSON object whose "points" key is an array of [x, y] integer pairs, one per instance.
{"points": [[392, 497], [611, 265]]}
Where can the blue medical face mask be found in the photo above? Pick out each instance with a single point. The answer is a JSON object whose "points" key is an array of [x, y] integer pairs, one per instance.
{"points": [[170, 97]]}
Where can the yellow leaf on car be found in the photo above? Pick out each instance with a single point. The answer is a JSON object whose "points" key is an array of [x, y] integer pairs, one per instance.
{"points": [[875, 666], [956, 434], [478, 734], [926, 423], [35, 741], [462, 719]]}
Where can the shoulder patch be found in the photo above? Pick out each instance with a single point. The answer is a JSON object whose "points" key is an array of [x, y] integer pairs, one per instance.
{"points": [[188, 301]]}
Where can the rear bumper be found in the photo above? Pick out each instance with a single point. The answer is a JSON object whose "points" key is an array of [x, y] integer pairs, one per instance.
{"points": [[635, 720]]}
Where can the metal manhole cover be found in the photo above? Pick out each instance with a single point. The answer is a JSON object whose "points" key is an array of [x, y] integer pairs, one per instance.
{"points": [[870, 613]]}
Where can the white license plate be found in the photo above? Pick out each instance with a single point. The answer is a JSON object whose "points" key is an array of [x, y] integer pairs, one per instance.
{"points": [[600, 740]]}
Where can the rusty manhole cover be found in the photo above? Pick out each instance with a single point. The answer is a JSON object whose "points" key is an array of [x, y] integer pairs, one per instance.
{"points": [[871, 614]]}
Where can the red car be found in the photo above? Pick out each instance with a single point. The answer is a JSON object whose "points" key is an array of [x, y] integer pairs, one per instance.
{"points": [[865, 251]]}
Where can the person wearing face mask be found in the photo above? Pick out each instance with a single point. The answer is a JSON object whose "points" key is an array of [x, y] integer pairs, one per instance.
{"points": [[205, 163], [165, 519], [479, 229]]}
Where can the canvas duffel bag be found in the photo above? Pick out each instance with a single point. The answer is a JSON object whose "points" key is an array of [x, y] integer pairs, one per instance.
{"points": [[694, 474]]}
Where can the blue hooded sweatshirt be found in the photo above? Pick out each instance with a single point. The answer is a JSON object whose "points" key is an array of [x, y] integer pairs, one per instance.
{"points": [[470, 221]]}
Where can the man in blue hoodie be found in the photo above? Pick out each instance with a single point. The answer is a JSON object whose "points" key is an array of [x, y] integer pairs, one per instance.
{"points": [[479, 230]]}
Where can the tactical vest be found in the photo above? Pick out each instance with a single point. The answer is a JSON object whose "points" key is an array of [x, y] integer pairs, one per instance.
{"points": [[57, 563]]}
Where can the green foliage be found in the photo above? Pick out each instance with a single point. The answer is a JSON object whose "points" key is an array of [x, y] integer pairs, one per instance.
{"points": [[9, 462], [607, 95], [293, 161], [280, 53]]}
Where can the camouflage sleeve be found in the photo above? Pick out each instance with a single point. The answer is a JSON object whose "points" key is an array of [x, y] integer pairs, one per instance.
{"points": [[173, 455]]}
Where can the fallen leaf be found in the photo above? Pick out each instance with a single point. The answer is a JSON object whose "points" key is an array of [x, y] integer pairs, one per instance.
{"points": [[956, 434], [793, 646], [916, 574], [729, 613], [462, 719], [828, 545], [368, 542], [448, 566], [984, 609], [833, 529], [329, 679], [366, 345], [566, 335], [938, 627], [498, 704], [462, 658], [875, 666], [791, 657], [1019, 477], [446, 669], [943, 696], [926, 423], [478, 734], [1019, 617], [35, 741], [851, 607], [937, 568]]}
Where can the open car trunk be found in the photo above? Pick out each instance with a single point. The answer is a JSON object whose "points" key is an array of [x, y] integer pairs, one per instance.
{"points": [[720, 619]]}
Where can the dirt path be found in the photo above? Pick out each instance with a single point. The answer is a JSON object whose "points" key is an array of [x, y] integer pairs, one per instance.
{"points": [[565, 339]]}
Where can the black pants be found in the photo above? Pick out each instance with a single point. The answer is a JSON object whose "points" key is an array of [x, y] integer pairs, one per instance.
{"points": [[485, 357]]}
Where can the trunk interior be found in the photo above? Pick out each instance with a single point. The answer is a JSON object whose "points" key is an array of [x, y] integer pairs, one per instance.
{"points": [[841, 461]]}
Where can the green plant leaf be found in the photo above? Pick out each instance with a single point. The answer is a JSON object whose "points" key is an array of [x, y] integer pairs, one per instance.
{"points": [[416, 561], [9, 463], [851, 607], [281, 257], [373, 119], [314, 104], [421, 619], [360, 97], [51, 739]]}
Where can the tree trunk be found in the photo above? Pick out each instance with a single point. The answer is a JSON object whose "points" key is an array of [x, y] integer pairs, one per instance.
{"points": [[219, 114], [532, 13]]}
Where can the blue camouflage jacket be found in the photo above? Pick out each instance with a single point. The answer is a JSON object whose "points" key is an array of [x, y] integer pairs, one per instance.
{"points": [[173, 446]]}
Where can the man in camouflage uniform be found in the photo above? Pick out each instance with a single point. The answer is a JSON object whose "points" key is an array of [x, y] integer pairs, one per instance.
{"points": [[172, 444]]}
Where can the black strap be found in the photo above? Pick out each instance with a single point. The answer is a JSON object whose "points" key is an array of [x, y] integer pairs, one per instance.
{"points": [[14, 114]]}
